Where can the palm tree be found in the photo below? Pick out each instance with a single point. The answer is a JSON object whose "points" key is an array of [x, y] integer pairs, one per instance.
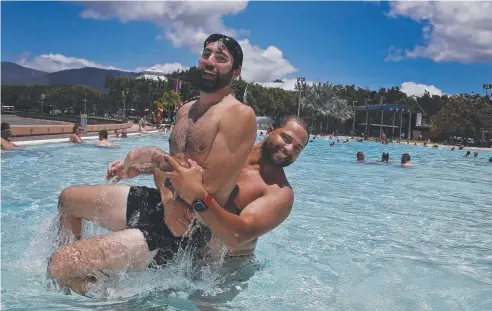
{"points": [[340, 109], [170, 100]]}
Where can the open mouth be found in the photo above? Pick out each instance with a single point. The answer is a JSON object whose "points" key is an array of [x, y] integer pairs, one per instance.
{"points": [[209, 75], [280, 155]]}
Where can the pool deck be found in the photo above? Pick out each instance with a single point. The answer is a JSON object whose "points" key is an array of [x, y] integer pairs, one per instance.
{"points": [[61, 138]]}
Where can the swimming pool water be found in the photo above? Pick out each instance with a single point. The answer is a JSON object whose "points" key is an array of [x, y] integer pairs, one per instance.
{"points": [[360, 236]]}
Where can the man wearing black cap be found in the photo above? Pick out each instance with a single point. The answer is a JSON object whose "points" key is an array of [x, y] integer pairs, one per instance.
{"points": [[216, 131]]}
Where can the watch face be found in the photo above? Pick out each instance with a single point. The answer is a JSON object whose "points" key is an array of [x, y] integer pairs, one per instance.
{"points": [[199, 206]]}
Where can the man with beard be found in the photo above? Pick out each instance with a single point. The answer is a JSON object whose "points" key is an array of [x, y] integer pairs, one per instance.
{"points": [[216, 131], [261, 200]]}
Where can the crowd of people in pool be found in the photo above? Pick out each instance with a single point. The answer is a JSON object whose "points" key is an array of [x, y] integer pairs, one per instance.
{"points": [[103, 135], [405, 157]]}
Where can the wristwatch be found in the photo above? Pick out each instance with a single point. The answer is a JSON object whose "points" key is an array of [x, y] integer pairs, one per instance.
{"points": [[201, 205]]}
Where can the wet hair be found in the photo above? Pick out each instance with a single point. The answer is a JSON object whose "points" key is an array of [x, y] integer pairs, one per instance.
{"points": [[385, 157], [360, 154], [231, 44], [103, 133], [282, 121], [405, 157], [75, 127], [5, 126], [468, 152]]}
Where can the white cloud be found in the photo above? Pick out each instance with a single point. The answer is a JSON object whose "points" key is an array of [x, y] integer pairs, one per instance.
{"points": [[287, 84], [414, 89], [185, 23], [56, 62], [164, 68], [188, 23], [264, 65], [452, 31]]}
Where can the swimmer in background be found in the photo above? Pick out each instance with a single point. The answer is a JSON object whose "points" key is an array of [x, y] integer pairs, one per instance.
{"points": [[142, 123], [123, 134], [7, 144], [103, 139], [490, 160], [361, 157], [475, 154], [405, 160], [467, 155], [385, 157], [117, 133], [76, 136]]}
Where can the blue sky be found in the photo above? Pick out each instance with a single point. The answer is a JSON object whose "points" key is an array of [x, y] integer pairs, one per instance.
{"points": [[367, 44]]}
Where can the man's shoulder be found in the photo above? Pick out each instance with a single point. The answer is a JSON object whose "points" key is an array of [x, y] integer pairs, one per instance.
{"points": [[185, 106], [239, 110], [238, 119]]}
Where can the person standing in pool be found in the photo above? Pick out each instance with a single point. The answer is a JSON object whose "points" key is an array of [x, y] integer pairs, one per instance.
{"points": [[103, 139], [405, 160], [361, 157], [216, 131], [7, 144], [76, 136], [261, 200]]}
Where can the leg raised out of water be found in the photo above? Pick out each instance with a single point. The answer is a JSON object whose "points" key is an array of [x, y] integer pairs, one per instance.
{"points": [[103, 204], [77, 265]]}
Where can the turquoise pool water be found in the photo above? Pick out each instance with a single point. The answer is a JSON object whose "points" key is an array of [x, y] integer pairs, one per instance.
{"points": [[360, 237]]}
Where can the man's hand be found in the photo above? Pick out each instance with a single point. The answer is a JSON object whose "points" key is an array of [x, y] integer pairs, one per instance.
{"points": [[177, 215], [187, 181], [146, 155], [115, 171]]}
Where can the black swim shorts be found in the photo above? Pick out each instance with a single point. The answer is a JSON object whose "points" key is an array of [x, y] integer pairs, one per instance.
{"points": [[145, 211]]}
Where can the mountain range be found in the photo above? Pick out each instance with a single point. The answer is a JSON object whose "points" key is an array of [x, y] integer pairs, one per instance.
{"points": [[14, 74]]}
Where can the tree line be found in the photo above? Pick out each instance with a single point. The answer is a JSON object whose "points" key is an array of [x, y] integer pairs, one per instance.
{"points": [[325, 106]]}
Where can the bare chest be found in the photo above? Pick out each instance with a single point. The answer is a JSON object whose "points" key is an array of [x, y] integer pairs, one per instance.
{"points": [[192, 136]]}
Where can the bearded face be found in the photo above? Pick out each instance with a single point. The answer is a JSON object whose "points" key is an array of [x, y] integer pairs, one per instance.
{"points": [[216, 67], [283, 145], [212, 80]]}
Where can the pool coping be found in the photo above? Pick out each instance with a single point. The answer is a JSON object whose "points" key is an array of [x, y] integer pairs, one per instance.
{"points": [[65, 140]]}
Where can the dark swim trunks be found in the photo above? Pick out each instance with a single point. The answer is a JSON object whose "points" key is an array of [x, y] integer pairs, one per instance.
{"points": [[145, 211]]}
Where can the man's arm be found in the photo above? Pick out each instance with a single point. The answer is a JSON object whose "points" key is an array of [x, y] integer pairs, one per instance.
{"points": [[147, 156], [231, 147], [257, 218]]}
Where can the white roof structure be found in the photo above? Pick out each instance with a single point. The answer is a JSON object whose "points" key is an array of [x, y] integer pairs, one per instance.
{"points": [[152, 73]]}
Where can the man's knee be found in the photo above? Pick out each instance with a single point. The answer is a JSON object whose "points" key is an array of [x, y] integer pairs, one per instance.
{"points": [[65, 196], [56, 267]]}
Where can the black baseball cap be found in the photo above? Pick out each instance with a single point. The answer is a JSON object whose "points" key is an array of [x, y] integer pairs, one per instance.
{"points": [[231, 44]]}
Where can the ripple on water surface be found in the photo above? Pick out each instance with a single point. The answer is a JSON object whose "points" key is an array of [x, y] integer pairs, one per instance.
{"points": [[360, 237]]}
